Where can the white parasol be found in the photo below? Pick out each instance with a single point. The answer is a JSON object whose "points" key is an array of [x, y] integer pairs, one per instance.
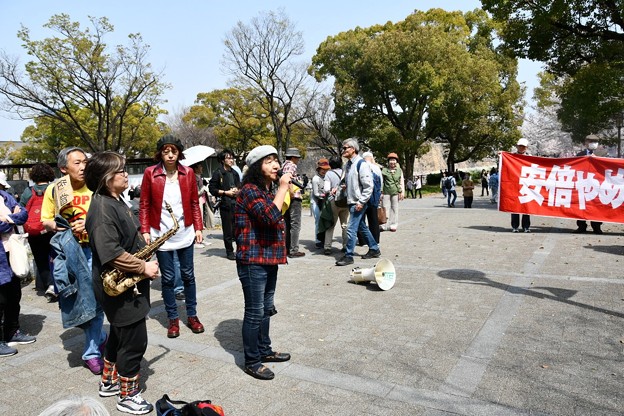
{"points": [[196, 154]]}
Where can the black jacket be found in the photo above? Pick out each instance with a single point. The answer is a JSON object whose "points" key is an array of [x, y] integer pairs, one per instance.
{"points": [[223, 180]]}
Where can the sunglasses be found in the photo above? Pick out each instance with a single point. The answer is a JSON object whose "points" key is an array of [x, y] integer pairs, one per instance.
{"points": [[345, 148]]}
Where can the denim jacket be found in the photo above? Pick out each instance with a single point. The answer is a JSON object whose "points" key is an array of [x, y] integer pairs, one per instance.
{"points": [[72, 276], [6, 274]]}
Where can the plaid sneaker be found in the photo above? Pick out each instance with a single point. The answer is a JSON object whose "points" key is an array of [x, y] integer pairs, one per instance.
{"points": [[21, 338], [6, 351], [107, 390], [134, 404]]}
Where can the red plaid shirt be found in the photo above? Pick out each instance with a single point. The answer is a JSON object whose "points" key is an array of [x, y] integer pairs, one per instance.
{"points": [[259, 228]]}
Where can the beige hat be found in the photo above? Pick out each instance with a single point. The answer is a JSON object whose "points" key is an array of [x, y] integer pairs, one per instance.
{"points": [[3, 180], [258, 153]]}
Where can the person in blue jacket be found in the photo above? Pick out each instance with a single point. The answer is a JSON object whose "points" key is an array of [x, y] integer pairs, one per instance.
{"points": [[11, 215]]}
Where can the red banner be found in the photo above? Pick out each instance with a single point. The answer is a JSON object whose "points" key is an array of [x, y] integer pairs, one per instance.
{"points": [[585, 188]]}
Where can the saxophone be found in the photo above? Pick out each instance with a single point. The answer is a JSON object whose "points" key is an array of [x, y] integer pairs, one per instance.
{"points": [[116, 282]]}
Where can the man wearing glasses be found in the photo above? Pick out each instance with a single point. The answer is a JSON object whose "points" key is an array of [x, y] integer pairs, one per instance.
{"points": [[358, 180], [225, 184]]}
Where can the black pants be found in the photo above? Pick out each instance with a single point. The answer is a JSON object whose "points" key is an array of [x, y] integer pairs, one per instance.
{"points": [[126, 346], [582, 225], [10, 297], [419, 192], [526, 221], [468, 201], [40, 246], [227, 226], [484, 188], [373, 225]]}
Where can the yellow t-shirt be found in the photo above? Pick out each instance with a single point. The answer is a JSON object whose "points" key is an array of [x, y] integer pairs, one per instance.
{"points": [[73, 211]]}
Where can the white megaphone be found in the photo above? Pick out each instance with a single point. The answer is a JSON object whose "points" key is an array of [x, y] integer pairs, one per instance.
{"points": [[383, 273]]}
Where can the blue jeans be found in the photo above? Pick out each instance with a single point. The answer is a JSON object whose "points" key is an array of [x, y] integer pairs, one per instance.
{"points": [[187, 271], [258, 284], [356, 223], [178, 287], [93, 329], [454, 193]]}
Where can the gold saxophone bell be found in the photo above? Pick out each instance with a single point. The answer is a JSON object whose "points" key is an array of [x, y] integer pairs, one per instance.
{"points": [[116, 282]]}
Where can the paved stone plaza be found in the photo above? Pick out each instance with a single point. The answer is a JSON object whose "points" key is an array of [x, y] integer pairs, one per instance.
{"points": [[481, 321]]}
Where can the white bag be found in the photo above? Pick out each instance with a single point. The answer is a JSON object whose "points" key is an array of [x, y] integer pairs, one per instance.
{"points": [[18, 255]]}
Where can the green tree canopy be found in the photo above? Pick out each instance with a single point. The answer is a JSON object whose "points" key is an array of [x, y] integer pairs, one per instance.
{"points": [[433, 76], [80, 92]]}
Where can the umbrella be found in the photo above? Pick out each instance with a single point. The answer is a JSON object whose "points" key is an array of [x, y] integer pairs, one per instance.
{"points": [[196, 154]]}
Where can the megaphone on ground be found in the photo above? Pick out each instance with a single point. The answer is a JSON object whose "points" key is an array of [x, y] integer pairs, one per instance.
{"points": [[382, 273]]}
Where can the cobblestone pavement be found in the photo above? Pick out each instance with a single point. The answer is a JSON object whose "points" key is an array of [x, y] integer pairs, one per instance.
{"points": [[481, 321]]}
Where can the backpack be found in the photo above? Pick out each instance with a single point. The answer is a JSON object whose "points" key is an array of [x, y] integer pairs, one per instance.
{"points": [[448, 183], [33, 225], [373, 201]]}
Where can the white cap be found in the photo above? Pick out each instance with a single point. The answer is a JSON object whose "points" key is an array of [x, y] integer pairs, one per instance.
{"points": [[3, 180], [367, 154], [523, 142], [258, 153]]}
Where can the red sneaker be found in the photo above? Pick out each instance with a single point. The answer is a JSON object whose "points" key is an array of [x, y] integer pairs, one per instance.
{"points": [[195, 325], [174, 328]]}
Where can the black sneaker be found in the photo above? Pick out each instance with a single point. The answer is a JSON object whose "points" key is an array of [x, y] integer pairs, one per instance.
{"points": [[180, 296], [344, 261], [231, 256], [372, 254], [21, 339], [6, 351], [108, 390]]}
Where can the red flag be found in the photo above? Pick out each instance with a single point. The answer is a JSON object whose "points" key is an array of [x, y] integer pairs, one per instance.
{"points": [[586, 188]]}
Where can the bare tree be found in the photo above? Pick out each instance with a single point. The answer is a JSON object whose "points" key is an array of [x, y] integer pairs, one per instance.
{"points": [[319, 121], [259, 55], [188, 133], [75, 84]]}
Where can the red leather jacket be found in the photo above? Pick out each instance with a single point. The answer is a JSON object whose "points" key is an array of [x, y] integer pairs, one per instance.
{"points": [[152, 190]]}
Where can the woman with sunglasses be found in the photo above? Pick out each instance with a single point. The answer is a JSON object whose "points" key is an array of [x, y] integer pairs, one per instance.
{"points": [[171, 182], [114, 236]]}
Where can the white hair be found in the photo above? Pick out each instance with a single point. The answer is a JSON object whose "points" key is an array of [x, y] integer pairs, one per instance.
{"points": [[76, 406]]}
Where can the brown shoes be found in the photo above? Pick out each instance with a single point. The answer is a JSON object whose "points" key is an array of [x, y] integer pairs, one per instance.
{"points": [[174, 328], [195, 325], [296, 254]]}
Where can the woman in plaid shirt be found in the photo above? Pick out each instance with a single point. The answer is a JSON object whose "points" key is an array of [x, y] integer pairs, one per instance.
{"points": [[260, 247]]}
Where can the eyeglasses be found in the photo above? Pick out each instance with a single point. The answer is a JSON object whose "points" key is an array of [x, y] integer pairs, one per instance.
{"points": [[345, 148], [122, 171]]}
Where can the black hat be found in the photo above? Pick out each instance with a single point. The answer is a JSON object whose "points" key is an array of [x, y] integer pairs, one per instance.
{"points": [[169, 139]]}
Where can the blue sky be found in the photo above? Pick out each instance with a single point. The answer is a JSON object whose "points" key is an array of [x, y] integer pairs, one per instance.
{"points": [[186, 37]]}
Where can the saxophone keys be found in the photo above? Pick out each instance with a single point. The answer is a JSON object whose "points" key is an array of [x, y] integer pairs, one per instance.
{"points": [[136, 290]]}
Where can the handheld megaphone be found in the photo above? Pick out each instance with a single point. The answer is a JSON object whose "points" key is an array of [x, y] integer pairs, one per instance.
{"points": [[382, 273]]}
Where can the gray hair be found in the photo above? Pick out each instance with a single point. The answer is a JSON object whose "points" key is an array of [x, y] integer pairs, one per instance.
{"points": [[353, 143], [61, 160], [76, 406]]}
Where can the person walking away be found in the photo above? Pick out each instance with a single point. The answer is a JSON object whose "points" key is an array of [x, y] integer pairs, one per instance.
{"points": [[317, 198], [70, 198], [359, 188], [417, 187], [11, 214], [449, 185], [171, 182], [591, 144], [392, 191], [333, 179], [293, 213], [467, 190], [260, 248], [443, 177], [114, 238], [493, 184], [41, 174], [224, 184], [410, 188], [521, 149], [484, 182]]}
